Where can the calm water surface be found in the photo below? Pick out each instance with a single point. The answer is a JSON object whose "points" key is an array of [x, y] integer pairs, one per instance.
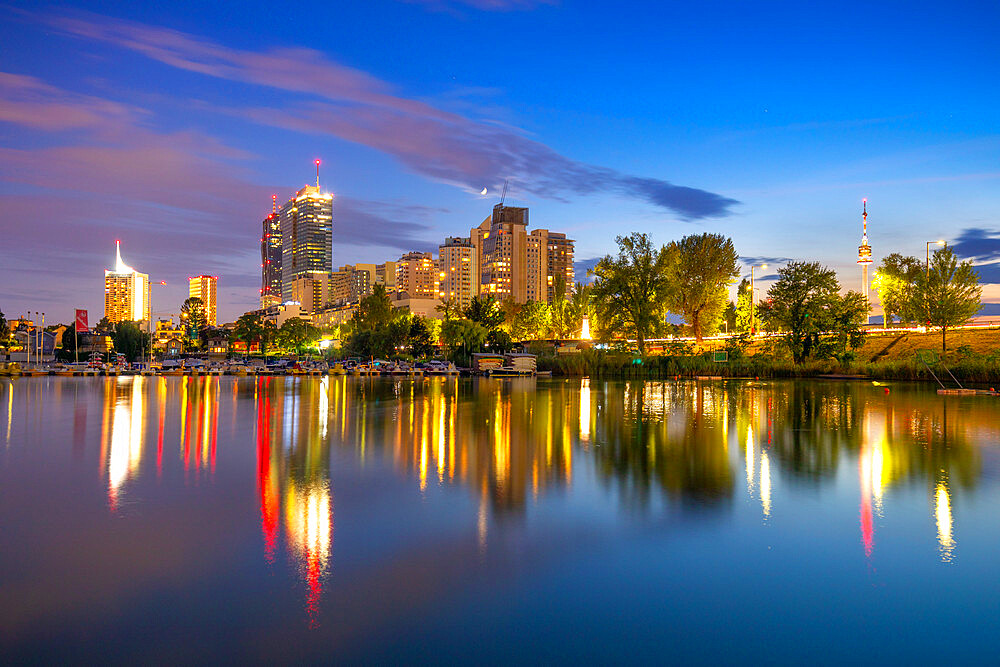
{"points": [[343, 519]]}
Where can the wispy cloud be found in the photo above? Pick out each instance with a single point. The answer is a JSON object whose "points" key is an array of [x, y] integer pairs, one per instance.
{"points": [[350, 104]]}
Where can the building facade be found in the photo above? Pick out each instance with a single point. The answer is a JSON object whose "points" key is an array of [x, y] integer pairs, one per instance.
{"points": [[458, 271], [126, 292], [270, 259], [503, 268], [311, 291], [550, 257], [417, 275], [306, 223], [206, 289]]}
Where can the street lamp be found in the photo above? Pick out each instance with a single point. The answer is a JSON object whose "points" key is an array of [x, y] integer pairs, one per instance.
{"points": [[927, 270], [753, 323]]}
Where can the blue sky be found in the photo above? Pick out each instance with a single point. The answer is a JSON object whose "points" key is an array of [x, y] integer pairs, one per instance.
{"points": [[170, 125]]}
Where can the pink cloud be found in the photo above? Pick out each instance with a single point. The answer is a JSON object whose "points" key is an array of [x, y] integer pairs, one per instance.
{"points": [[353, 105]]}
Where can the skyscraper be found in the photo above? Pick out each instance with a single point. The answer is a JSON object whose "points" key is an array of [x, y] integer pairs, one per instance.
{"points": [[126, 292], [306, 223], [550, 257], [458, 271], [504, 254], [270, 258], [206, 289]]}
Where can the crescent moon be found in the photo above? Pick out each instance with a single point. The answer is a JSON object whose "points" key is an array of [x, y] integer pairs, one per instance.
{"points": [[483, 192]]}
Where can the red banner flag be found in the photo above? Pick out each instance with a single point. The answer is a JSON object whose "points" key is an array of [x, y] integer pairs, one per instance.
{"points": [[81, 322]]}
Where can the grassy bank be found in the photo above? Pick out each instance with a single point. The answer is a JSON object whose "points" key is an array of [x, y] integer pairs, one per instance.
{"points": [[972, 368]]}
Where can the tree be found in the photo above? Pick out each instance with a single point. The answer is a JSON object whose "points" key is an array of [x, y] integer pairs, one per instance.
{"points": [[419, 338], [449, 308], [530, 321], [374, 311], [894, 282], [296, 334], [630, 290], [485, 310], [68, 350], [499, 340], [729, 317], [701, 268], [949, 291], [747, 317], [800, 303], [129, 339], [465, 334], [193, 319], [847, 315], [104, 327], [251, 329]]}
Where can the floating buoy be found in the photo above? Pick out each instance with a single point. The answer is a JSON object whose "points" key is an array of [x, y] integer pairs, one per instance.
{"points": [[885, 389]]}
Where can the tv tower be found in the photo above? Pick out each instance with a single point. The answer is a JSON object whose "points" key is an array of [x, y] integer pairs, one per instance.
{"points": [[864, 250]]}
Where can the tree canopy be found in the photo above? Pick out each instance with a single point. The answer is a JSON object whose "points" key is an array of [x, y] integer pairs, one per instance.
{"points": [[194, 319], [700, 270], [805, 303], [948, 291], [486, 310], [894, 281], [630, 290]]}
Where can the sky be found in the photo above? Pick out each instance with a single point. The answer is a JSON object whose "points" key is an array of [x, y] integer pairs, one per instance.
{"points": [[170, 125]]}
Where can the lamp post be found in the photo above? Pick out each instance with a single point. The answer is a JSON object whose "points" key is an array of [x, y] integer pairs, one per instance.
{"points": [[753, 322], [927, 269]]}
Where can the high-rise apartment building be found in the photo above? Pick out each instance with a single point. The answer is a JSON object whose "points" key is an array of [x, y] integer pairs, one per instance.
{"points": [[458, 271], [503, 267], [306, 223], [312, 290], [550, 257], [385, 275], [417, 275], [206, 289], [270, 258], [126, 292]]}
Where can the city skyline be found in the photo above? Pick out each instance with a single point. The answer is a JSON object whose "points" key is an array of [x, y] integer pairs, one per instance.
{"points": [[172, 130]]}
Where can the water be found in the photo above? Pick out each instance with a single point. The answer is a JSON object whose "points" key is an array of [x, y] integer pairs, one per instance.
{"points": [[489, 521]]}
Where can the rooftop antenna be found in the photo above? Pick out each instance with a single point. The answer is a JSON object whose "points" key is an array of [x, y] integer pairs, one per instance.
{"points": [[274, 204], [317, 174], [503, 195]]}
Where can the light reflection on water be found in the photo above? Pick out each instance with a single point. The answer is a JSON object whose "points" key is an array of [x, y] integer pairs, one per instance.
{"points": [[513, 449]]}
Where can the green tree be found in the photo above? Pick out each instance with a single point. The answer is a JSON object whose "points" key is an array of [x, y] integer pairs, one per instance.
{"points": [[419, 338], [449, 308], [894, 281], [747, 316], [104, 327], [800, 303], [194, 320], [486, 310], [129, 339], [847, 315], [949, 291], [630, 290], [531, 321], [251, 328], [499, 340], [701, 268], [465, 334], [374, 311], [296, 334], [68, 350]]}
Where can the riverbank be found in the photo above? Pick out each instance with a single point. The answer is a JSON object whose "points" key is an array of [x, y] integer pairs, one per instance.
{"points": [[598, 363]]}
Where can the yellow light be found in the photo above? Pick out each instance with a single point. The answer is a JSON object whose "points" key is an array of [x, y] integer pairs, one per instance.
{"points": [[942, 514]]}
